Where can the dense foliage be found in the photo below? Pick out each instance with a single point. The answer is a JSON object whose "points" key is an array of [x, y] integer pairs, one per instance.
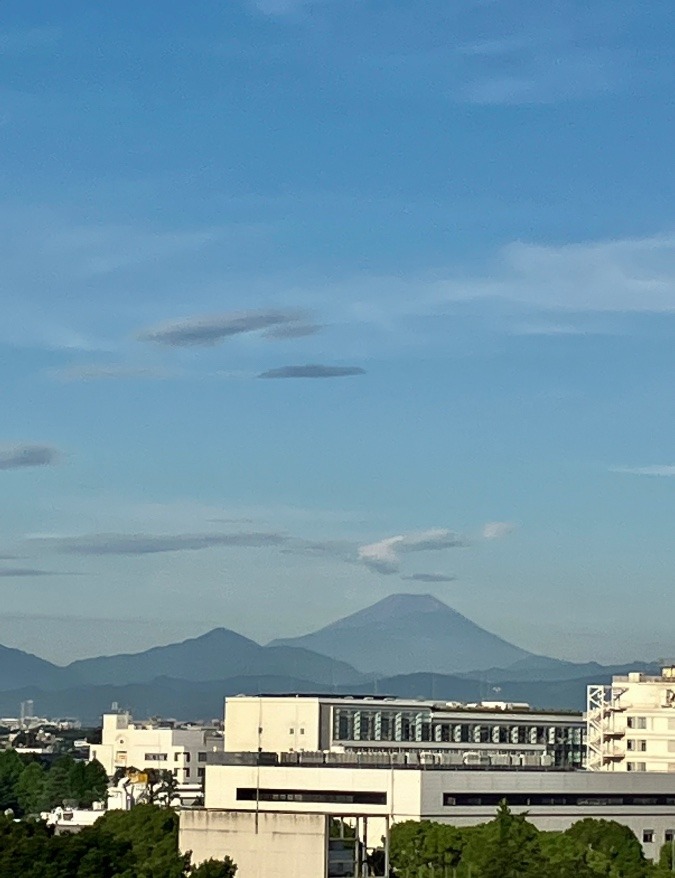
{"points": [[141, 843], [28, 786], [511, 847]]}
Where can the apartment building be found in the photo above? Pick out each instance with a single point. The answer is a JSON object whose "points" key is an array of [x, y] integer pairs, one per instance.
{"points": [[631, 723]]}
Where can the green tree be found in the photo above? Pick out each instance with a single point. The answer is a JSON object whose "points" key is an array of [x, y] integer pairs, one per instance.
{"points": [[615, 842], [95, 786], [57, 785], [507, 847], [30, 789], [11, 768], [214, 869]]}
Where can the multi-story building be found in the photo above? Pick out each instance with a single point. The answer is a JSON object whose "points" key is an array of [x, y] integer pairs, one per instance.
{"points": [[164, 746], [487, 733], [631, 723]]}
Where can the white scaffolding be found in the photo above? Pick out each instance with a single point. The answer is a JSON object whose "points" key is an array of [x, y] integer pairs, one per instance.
{"points": [[604, 734]]}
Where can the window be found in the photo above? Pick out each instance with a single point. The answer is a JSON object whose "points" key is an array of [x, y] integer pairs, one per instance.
{"points": [[291, 731], [200, 772], [176, 756], [637, 722], [155, 757], [201, 757], [302, 731], [343, 797], [187, 773], [669, 836], [491, 800], [647, 836], [187, 756], [636, 766]]}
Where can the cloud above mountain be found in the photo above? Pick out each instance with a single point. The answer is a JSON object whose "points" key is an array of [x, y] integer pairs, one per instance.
{"points": [[429, 577], [25, 456], [385, 556], [213, 329]]}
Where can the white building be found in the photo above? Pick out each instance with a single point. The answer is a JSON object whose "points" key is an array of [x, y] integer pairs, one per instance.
{"points": [[493, 732], [162, 746], [270, 815], [631, 723]]}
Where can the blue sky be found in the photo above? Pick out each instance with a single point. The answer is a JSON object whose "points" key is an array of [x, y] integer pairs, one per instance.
{"points": [[307, 303]]}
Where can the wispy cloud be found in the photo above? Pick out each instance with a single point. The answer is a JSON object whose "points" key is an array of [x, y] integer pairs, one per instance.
{"points": [[211, 330], [313, 371], [18, 572], [149, 544], [429, 577], [24, 456], [612, 276], [385, 555], [111, 372], [497, 530], [656, 470]]}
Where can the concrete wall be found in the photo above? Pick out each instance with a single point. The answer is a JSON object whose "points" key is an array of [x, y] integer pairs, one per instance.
{"points": [[265, 845], [276, 725]]}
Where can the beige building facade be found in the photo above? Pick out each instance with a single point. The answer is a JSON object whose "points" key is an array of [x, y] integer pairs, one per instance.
{"points": [[631, 723]]}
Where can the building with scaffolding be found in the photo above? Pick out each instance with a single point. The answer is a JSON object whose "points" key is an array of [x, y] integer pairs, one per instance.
{"points": [[631, 723]]}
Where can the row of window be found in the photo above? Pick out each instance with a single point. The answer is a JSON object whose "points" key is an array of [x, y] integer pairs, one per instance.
{"points": [[177, 757], [578, 800], [350, 724], [341, 797], [186, 773]]}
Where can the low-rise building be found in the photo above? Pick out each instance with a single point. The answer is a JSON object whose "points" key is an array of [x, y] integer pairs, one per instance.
{"points": [[164, 746], [255, 804]]}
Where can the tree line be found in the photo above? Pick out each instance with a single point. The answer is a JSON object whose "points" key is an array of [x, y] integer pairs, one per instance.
{"points": [[141, 843], [29, 786], [511, 847]]}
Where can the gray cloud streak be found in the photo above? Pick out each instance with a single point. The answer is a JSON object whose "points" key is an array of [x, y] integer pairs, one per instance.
{"points": [[290, 330], [429, 577], [150, 544], [313, 371], [12, 572], [210, 330], [24, 456]]}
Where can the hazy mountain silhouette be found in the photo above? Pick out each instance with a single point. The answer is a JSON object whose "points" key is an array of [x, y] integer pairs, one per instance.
{"points": [[405, 633], [18, 668], [218, 654]]}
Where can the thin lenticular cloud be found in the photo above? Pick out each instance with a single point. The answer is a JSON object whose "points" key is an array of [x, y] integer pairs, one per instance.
{"points": [[313, 371], [429, 577], [20, 572], [211, 330], [25, 456], [658, 470], [151, 544], [291, 330]]}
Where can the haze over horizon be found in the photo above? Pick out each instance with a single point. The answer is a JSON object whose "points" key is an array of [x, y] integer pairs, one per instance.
{"points": [[309, 302]]}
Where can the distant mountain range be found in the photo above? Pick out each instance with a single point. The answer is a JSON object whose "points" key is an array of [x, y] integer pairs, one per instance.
{"points": [[409, 632], [412, 646]]}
